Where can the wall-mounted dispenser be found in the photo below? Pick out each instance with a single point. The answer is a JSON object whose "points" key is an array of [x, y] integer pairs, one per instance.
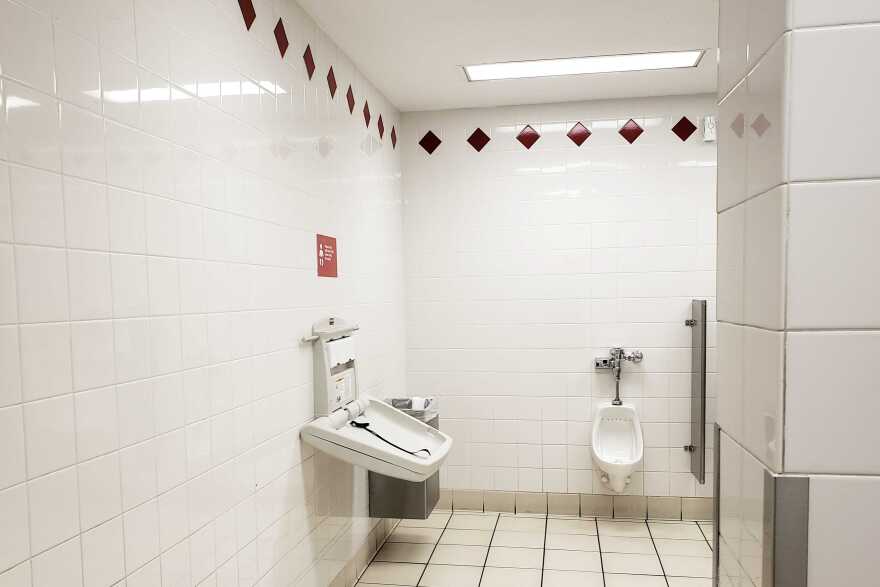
{"points": [[360, 430]]}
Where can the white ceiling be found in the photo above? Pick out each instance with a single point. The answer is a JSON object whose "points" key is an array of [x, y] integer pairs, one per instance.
{"points": [[413, 50]]}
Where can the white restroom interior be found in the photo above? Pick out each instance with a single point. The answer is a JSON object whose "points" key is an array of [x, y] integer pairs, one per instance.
{"points": [[169, 172]]}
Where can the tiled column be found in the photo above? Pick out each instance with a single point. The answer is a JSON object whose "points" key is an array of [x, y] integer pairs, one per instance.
{"points": [[798, 280]]}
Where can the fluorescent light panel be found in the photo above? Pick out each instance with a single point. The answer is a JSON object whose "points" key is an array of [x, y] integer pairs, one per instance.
{"points": [[582, 65]]}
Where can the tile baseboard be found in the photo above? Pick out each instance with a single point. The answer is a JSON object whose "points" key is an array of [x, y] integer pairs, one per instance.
{"points": [[638, 507]]}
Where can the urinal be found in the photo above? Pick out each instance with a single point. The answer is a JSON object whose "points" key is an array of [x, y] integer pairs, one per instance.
{"points": [[355, 428], [617, 443]]}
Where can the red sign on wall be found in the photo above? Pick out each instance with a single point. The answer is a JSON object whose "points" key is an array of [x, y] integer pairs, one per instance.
{"points": [[326, 256]]}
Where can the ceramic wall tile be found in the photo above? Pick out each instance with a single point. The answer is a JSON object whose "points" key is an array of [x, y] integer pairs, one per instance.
{"points": [[828, 286], [731, 264], [542, 260], [763, 395], [732, 148], [814, 13], [26, 46], [768, 20], [733, 48], [835, 502], [827, 88], [33, 131], [763, 276], [818, 409], [767, 119]]}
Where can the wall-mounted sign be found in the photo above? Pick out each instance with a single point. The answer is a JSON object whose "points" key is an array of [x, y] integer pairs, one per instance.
{"points": [[326, 256]]}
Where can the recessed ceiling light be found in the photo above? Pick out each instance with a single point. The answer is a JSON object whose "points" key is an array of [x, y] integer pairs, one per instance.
{"points": [[581, 65]]}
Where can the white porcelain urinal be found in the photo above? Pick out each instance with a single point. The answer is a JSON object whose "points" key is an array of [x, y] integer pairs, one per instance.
{"points": [[617, 443], [335, 435]]}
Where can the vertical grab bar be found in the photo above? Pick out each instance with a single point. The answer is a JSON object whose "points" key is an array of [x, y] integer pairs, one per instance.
{"points": [[697, 447]]}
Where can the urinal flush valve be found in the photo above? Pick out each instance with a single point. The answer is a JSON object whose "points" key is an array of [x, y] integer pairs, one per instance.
{"points": [[614, 362]]}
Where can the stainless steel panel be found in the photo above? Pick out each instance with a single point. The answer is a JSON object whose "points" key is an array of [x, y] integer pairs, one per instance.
{"points": [[716, 508], [397, 498], [697, 446], [786, 530]]}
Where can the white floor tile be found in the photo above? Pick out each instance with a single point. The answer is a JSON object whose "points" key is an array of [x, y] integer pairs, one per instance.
{"points": [[458, 554], [518, 539], [571, 526], [666, 546], [636, 564], [676, 531], [435, 520], [404, 552], [623, 529], [495, 577], [688, 582], [571, 578], [516, 558], [634, 581], [421, 535], [521, 524], [472, 521], [467, 537], [392, 573], [687, 566], [451, 576], [572, 560], [627, 545], [573, 542]]}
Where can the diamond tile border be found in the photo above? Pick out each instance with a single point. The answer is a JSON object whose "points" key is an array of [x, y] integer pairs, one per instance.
{"points": [[349, 97], [380, 124], [631, 131], [281, 38], [760, 125], [478, 139], [309, 60], [247, 12], [528, 136], [578, 134], [738, 126], [430, 142], [331, 82], [367, 115], [684, 128], [393, 137]]}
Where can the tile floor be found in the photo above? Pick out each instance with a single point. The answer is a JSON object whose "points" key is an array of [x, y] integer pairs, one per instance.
{"points": [[527, 550]]}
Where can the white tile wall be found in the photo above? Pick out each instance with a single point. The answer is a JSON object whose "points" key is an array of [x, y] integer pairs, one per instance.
{"points": [[837, 502], [156, 274], [523, 265], [796, 286]]}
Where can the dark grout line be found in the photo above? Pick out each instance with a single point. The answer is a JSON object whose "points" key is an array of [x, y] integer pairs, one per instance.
{"points": [[706, 538], [544, 549], [599, 542], [488, 549], [657, 552], [430, 556]]}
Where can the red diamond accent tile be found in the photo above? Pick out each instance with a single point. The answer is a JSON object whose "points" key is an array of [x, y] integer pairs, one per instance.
{"points": [[247, 12], [281, 38], [684, 128], [309, 61], [380, 124], [478, 139], [331, 82], [528, 137], [349, 97], [430, 142], [578, 134], [631, 131], [738, 126], [393, 137], [367, 113], [760, 125]]}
